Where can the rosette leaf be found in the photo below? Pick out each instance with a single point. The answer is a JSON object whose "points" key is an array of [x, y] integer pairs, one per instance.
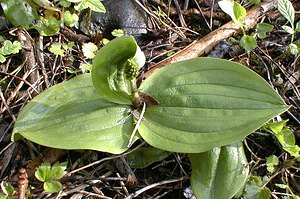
{"points": [[72, 115]]}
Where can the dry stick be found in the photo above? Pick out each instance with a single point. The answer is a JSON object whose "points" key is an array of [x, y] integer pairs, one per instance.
{"points": [[135, 194], [29, 55], [206, 43], [41, 60]]}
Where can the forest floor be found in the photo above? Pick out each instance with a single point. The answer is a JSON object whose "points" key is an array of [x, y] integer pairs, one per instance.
{"points": [[181, 29]]}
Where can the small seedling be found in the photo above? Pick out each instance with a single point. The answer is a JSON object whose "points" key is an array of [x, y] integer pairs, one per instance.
{"points": [[9, 48], [89, 50], [8, 191], [262, 29], [50, 175], [94, 5], [237, 13], [70, 19], [287, 10], [285, 137], [255, 189], [272, 163]]}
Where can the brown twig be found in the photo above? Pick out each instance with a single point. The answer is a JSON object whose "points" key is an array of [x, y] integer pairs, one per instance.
{"points": [[22, 183], [206, 43], [29, 55]]}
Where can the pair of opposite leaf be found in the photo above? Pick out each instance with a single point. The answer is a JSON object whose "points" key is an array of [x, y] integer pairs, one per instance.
{"points": [[203, 103]]}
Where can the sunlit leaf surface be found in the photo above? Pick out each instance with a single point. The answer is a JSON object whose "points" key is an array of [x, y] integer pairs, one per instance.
{"points": [[204, 103], [71, 115]]}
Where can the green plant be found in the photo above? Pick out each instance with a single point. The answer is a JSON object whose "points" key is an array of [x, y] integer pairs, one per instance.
{"points": [[9, 48], [8, 191], [287, 10], [50, 175], [272, 163], [199, 106], [255, 189], [237, 13], [25, 13], [89, 50], [285, 137], [94, 5]]}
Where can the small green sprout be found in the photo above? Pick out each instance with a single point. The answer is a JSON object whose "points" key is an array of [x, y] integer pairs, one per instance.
{"points": [[272, 163], [8, 190], [89, 50], [9, 48], [50, 175]]}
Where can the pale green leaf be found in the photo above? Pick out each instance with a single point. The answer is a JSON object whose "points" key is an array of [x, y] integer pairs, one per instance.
{"points": [[275, 127], [56, 48], [284, 136], [239, 11], [294, 49], [52, 186], [219, 173], [43, 171], [282, 186], [94, 5], [143, 157], [7, 188], [235, 10], [2, 59], [201, 103], [58, 170], [118, 33], [254, 189], [89, 50], [70, 19], [10, 48], [272, 163], [87, 67], [48, 26], [286, 8], [262, 29], [105, 41], [72, 115], [288, 29], [248, 43], [2, 196]]}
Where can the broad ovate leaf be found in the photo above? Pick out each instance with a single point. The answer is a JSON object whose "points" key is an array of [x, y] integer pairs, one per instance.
{"points": [[72, 115], [206, 103], [114, 66], [219, 173]]}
